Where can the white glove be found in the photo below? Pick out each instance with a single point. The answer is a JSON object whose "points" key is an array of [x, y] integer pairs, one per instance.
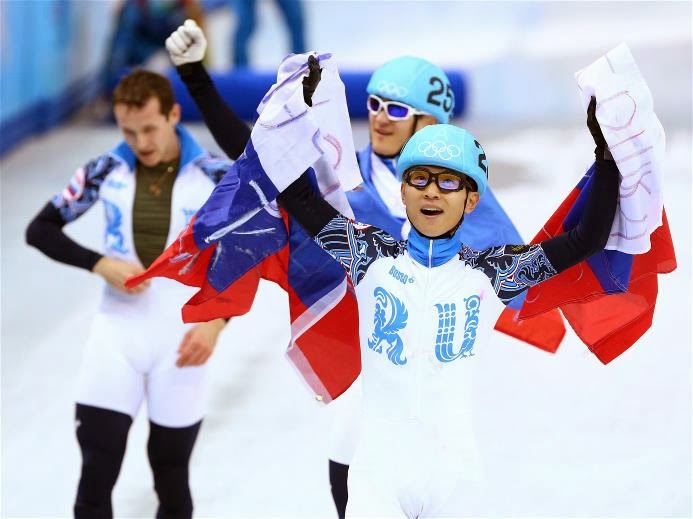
{"points": [[187, 44]]}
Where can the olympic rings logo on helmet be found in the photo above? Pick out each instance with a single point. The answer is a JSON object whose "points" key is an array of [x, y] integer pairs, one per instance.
{"points": [[439, 149], [391, 89]]}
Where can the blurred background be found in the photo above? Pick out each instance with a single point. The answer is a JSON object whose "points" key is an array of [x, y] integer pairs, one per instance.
{"points": [[562, 435]]}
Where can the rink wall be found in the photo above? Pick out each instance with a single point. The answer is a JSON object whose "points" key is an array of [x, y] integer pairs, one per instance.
{"points": [[243, 90], [51, 52], [50, 55]]}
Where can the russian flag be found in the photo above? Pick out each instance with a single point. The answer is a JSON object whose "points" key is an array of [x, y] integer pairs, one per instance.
{"points": [[240, 236], [608, 299], [489, 225]]}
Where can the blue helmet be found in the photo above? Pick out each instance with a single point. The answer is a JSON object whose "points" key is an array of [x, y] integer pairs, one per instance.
{"points": [[446, 146], [416, 82]]}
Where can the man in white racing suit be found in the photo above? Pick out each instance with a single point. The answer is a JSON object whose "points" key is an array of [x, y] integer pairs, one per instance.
{"points": [[427, 306], [138, 348]]}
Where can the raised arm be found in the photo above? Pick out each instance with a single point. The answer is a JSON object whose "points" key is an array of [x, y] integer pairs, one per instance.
{"points": [[514, 268], [186, 47], [355, 246], [592, 232]]}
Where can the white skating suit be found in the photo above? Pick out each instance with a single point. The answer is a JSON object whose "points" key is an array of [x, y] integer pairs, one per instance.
{"points": [[133, 341], [378, 201], [426, 310]]}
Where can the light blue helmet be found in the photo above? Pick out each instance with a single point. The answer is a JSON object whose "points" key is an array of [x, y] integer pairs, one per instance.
{"points": [[449, 147], [416, 82]]}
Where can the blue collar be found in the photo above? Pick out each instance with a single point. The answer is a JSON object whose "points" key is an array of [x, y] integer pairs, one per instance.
{"points": [[433, 252], [190, 150]]}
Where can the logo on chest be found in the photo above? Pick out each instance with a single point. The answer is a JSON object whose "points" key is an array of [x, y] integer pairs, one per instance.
{"points": [[115, 183], [390, 317], [114, 222], [400, 276], [447, 323]]}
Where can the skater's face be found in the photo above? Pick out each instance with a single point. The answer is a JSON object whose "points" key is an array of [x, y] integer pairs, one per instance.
{"points": [[434, 211], [150, 133], [388, 136]]}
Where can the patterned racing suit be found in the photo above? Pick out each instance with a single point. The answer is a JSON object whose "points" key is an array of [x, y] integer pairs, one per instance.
{"points": [[426, 310]]}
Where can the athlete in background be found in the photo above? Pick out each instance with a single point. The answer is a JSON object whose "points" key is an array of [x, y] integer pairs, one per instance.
{"points": [[150, 185], [427, 306]]}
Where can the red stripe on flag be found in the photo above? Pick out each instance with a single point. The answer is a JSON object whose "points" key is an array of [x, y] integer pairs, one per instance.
{"points": [[327, 353], [610, 324], [208, 304], [578, 283], [545, 331], [607, 323]]}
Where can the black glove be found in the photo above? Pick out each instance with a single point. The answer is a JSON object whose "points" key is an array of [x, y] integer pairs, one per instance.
{"points": [[602, 149], [310, 82]]}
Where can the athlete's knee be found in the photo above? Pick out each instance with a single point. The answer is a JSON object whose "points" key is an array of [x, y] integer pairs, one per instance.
{"points": [[338, 484], [102, 437], [169, 450]]}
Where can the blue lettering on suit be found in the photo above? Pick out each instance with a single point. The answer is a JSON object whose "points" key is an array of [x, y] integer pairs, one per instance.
{"points": [[447, 320]]}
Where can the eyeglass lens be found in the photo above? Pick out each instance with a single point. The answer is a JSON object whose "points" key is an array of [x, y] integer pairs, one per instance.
{"points": [[445, 181]]}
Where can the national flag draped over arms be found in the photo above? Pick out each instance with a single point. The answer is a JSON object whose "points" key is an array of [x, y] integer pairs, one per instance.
{"points": [[240, 235], [609, 299], [489, 225]]}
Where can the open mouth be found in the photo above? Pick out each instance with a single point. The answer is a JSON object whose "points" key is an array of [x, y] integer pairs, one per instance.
{"points": [[431, 211]]}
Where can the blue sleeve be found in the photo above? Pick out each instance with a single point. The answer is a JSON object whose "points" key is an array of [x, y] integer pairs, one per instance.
{"points": [[82, 192], [356, 246], [512, 269]]}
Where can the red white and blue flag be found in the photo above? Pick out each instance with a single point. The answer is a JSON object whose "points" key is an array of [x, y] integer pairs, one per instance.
{"points": [[608, 299], [489, 225], [240, 236]]}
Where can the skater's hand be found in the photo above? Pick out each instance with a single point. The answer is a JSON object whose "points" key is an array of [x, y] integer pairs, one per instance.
{"points": [[116, 271], [310, 82], [198, 344], [602, 149], [187, 44]]}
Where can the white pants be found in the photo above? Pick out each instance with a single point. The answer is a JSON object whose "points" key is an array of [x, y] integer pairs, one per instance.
{"points": [[412, 470], [131, 354]]}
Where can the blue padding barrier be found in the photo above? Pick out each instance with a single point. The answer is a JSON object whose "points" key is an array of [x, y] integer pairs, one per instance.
{"points": [[243, 90], [45, 114]]}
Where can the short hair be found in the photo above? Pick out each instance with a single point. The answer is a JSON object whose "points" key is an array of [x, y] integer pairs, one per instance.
{"points": [[139, 86]]}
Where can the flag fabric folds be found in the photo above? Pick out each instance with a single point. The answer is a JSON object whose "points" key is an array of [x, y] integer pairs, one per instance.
{"points": [[609, 299], [489, 225], [240, 236]]}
